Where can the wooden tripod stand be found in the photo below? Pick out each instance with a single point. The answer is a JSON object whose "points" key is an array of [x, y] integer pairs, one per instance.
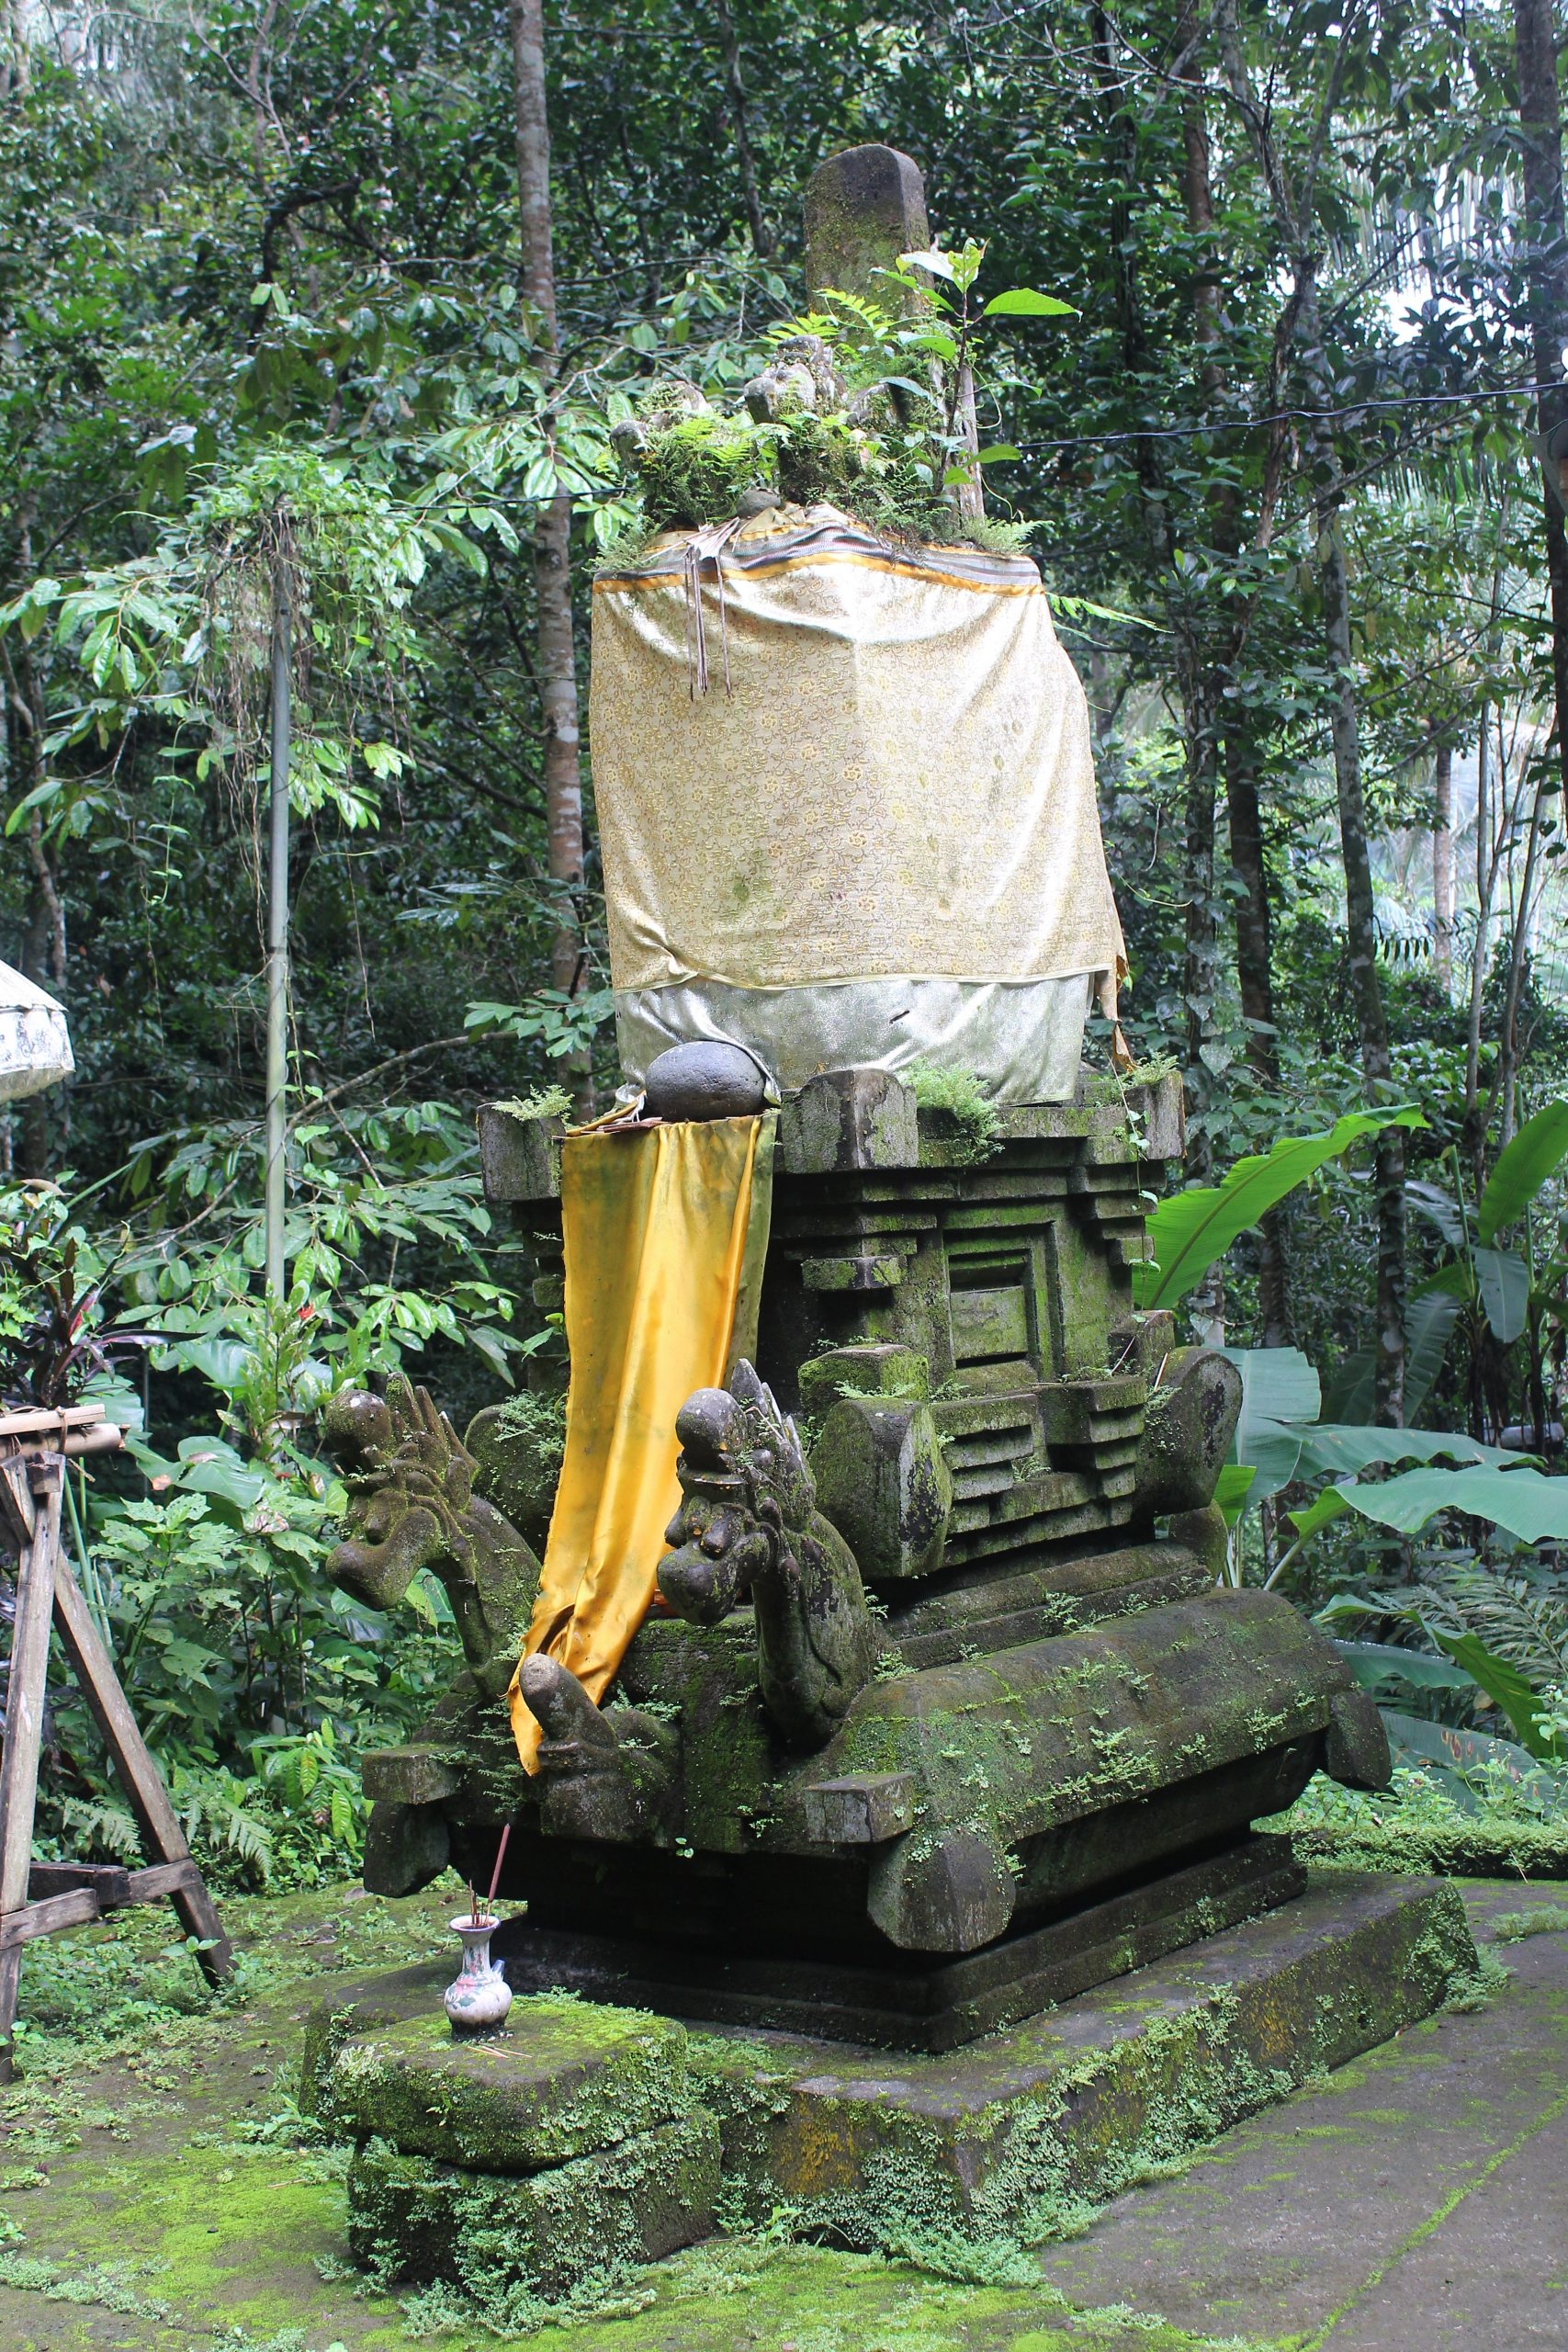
{"points": [[41, 1898]]}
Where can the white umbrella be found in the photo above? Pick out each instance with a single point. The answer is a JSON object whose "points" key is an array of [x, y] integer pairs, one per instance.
{"points": [[35, 1045]]}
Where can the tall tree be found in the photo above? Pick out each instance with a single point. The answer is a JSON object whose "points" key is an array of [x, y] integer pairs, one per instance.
{"points": [[1291, 197], [1546, 280], [552, 530], [1443, 860]]}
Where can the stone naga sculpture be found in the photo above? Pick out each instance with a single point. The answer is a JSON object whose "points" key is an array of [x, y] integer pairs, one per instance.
{"points": [[412, 1505], [749, 1528], [610, 1773]]}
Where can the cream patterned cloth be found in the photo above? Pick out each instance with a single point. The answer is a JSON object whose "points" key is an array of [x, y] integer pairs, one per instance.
{"points": [[895, 783]]}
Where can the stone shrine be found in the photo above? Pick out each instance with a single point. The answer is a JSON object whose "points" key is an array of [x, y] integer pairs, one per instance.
{"points": [[943, 1714]]}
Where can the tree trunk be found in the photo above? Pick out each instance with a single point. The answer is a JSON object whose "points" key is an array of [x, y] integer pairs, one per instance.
{"points": [[1360, 924], [1485, 879], [552, 530], [1294, 207], [1196, 689], [1200, 983], [1546, 276], [735, 86], [1255, 979], [1443, 864], [16, 62], [1208, 665], [1509, 1047], [44, 947]]}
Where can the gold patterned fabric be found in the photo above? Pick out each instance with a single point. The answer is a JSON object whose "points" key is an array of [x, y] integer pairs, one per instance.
{"points": [[898, 779], [666, 1232]]}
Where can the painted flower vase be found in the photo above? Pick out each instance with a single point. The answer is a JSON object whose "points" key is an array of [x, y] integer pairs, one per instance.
{"points": [[479, 1996]]}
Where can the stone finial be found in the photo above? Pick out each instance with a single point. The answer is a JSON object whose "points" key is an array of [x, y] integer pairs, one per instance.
{"points": [[862, 209]]}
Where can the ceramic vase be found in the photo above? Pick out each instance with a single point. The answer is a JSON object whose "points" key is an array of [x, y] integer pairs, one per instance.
{"points": [[479, 1997]]}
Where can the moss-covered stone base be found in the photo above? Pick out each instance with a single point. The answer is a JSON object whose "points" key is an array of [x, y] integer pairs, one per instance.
{"points": [[1017, 2135], [546, 2231], [1012, 2138], [563, 2078]]}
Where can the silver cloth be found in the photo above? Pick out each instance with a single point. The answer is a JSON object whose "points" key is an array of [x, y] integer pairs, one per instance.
{"points": [[1022, 1039]]}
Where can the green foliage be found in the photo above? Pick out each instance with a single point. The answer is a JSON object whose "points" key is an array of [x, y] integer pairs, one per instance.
{"points": [[56, 1334], [963, 1115], [1521, 1169], [233, 334], [695, 470], [1190, 1231], [1489, 1823], [562, 1023], [1513, 1927], [1279, 1387], [1508, 1691], [1524, 1503], [544, 1102], [254, 1678]]}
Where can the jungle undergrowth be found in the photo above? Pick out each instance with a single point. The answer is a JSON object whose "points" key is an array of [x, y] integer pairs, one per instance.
{"points": [[1416, 1824], [1513, 1927], [107, 2287], [129, 1989]]}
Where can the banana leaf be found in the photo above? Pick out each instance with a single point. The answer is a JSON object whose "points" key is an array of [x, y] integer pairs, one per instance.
{"points": [[1428, 1328], [1322, 1512], [1505, 1685], [1232, 1490], [1279, 1389], [1526, 1506], [1503, 1279], [1523, 1167], [1431, 1201], [1462, 1760], [1377, 1664], [1190, 1231], [1332, 1449]]}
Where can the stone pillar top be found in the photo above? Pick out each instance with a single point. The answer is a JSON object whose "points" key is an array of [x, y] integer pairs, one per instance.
{"points": [[863, 209]]}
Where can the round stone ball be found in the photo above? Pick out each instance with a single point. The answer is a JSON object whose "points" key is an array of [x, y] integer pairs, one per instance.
{"points": [[703, 1082]]}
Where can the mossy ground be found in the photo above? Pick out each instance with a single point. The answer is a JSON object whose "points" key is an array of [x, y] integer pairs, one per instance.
{"points": [[160, 2190]]}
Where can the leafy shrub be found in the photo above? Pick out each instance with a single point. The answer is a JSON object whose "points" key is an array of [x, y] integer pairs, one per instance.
{"points": [[965, 1115], [694, 471]]}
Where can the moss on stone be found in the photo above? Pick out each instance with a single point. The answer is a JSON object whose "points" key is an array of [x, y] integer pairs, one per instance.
{"points": [[695, 470], [1416, 1824], [926, 2158], [957, 1110], [563, 2078], [592, 2218]]}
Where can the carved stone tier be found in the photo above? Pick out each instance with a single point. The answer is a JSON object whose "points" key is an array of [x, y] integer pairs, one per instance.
{"points": [[1038, 1705]]}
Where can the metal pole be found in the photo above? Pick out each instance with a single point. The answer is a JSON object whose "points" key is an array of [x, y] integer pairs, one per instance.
{"points": [[278, 939]]}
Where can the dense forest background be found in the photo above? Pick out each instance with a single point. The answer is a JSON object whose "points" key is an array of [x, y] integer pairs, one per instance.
{"points": [[299, 287]]}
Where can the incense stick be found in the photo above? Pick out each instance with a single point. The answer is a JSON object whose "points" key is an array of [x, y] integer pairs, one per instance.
{"points": [[495, 1874]]}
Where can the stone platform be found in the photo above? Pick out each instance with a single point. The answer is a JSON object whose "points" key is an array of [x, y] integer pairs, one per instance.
{"points": [[1009, 2138], [923, 2003]]}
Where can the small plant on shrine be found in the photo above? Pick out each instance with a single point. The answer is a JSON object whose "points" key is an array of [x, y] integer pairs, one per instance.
{"points": [[861, 405]]}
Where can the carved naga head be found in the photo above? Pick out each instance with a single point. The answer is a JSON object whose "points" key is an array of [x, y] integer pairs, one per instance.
{"points": [[747, 1496], [410, 1486]]}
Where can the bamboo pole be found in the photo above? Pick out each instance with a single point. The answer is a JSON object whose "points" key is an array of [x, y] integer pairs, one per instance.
{"points": [[278, 938]]}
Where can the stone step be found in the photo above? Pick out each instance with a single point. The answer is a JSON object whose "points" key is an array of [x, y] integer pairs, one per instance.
{"points": [[559, 2080], [548, 2232], [1016, 2134]]}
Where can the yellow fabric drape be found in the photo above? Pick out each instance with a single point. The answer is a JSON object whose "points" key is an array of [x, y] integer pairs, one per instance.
{"points": [[664, 1229]]}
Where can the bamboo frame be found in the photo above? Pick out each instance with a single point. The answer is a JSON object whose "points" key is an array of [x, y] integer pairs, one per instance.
{"points": [[43, 1898]]}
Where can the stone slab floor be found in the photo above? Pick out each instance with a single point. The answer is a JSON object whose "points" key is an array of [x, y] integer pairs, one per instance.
{"points": [[154, 2198]]}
